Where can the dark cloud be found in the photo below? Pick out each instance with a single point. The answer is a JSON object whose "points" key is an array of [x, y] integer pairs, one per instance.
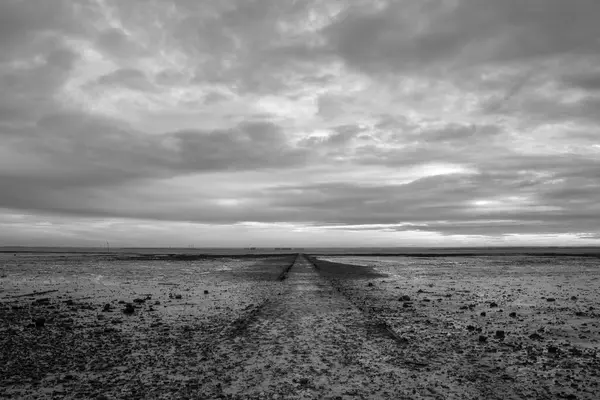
{"points": [[24, 22], [587, 81], [414, 34]]}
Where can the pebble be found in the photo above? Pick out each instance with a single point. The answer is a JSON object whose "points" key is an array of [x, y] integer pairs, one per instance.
{"points": [[129, 309], [535, 336]]}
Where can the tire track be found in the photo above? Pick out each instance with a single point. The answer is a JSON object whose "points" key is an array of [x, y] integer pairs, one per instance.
{"points": [[285, 272], [308, 342], [377, 323]]}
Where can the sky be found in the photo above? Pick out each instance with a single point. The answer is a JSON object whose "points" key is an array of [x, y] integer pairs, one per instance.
{"points": [[299, 123]]}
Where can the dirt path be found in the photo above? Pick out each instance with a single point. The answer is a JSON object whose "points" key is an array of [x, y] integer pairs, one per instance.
{"points": [[311, 342]]}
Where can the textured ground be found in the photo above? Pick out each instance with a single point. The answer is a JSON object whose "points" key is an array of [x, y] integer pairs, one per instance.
{"points": [[371, 328]]}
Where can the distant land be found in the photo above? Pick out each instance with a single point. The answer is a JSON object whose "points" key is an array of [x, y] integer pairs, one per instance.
{"points": [[409, 251]]}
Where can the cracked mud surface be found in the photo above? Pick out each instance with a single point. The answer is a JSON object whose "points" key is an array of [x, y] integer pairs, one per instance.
{"points": [[237, 328]]}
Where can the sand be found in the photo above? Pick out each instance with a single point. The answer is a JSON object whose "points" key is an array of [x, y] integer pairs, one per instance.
{"points": [[282, 328]]}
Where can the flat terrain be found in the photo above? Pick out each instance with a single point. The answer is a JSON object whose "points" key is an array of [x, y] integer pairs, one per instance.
{"points": [[293, 327]]}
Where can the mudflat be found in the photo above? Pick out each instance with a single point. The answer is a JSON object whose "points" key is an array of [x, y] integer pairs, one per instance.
{"points": [[299, 327]]}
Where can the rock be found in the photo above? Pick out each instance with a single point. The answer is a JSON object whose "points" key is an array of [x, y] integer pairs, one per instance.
{"points": [[483, 314], [535, 336], [575, 351], [493, 304], [40, 322], [206, 292], [500, 334], [482, 339], [404, 298], [513, 315], [550, 299], [129, 309], [406, 305], [157, 303], [106, 308], [552, 349], [573, 297], [178, 296], [139, 301], [69, 302], [304, 381], [370, 284], [470, 328]]}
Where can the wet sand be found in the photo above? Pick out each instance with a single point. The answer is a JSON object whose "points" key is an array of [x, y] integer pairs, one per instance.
{"points": [[293, 328]]}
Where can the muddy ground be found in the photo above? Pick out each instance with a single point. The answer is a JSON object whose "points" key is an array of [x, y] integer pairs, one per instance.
{"points": [[287, 327]]}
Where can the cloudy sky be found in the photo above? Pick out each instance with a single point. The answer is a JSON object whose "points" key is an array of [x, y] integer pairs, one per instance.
{"points": [[291, 122]]}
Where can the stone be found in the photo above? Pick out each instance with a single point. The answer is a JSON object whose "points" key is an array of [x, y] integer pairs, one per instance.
{"points": [[535, 336], [129, 309], [40, 322], [500, 334]]}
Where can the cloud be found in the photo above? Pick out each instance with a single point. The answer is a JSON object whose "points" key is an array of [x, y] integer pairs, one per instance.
{"points": [[423, 122], [129, 78], [589, 81], [414, 34]]}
